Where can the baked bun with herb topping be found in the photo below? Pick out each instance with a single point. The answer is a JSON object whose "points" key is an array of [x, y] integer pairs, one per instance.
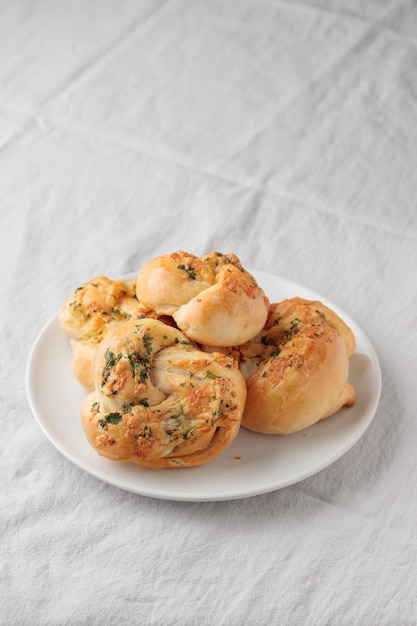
{"points": [[96, 305], [158, 400], [297, 368], [93, 308], [213, 299]]}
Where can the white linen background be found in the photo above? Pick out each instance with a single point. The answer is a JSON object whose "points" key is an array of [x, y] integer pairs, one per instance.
{"points": [[285, 132]]}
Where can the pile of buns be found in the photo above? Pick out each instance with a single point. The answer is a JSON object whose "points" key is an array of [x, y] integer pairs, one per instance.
{"points": [[177, 360]]}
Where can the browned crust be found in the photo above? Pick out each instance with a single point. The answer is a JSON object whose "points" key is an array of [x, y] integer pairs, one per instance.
{"points": [[213, 299], [159, 401], [297, 368]]}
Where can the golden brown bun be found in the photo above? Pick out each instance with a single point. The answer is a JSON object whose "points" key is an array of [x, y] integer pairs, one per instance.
{"points": [[297, 368], [90, 311], [96, 305], [159, 401], [213, 299]]}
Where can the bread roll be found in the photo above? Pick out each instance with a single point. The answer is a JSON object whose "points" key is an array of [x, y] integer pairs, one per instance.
{"points": [[93, 308], [83, 351], [96, 305], [297, 368], [159, 401], [213, 299]]}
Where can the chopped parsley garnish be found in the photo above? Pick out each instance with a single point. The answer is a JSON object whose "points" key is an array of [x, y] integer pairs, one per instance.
{"points": [[110, 360], [211, 375], [293, 330], [139, 366], [189, 269], [115, 312], [110, 418], [147, 343]]}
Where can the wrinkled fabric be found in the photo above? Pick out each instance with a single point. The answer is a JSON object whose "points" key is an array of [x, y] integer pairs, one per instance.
{"points": [[286, 133]]}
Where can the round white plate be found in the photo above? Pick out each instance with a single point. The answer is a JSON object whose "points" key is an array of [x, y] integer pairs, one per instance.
{"points": [[252, 465]]}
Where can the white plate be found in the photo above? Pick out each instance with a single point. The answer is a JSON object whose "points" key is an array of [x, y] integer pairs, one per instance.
{"points": [[252, 465]]}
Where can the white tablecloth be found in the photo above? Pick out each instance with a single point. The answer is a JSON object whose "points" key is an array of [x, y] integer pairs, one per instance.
{"points": [[286, 133]]}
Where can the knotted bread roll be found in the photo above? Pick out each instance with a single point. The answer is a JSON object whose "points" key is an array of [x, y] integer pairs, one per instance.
{"points": [[213, 299], [158, 400], [297, 368], [96, 305], [93, 308]]}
